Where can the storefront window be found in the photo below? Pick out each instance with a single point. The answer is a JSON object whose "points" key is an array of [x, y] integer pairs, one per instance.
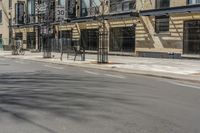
{"points": [[192, 37], [90, 39], [122, 39]]}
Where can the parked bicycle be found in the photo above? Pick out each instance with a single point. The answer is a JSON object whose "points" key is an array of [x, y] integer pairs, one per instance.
{"points": [[17, 49], [21, 51]]}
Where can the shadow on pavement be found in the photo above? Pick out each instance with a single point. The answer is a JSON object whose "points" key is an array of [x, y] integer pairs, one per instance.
{"points": [[67, 96]]}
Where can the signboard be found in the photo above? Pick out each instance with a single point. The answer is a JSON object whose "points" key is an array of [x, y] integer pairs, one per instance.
{"points": [[60, 13]]}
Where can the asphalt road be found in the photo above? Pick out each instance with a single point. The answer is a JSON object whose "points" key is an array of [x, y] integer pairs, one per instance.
{"points": [[48, 98]]}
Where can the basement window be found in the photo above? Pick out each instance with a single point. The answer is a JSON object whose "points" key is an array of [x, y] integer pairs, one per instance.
{"points": [[161, 24]]}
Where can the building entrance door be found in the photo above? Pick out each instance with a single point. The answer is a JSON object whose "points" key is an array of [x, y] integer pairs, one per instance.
{"points": [[191, 43], [31, 40]]}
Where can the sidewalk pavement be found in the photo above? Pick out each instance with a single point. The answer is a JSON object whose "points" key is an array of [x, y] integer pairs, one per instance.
{"points": [[181, 69]]}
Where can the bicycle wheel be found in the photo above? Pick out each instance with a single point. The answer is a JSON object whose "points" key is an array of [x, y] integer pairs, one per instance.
{"points": [[22, 52]]}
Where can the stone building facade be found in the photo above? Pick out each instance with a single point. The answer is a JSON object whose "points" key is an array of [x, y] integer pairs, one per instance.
{"points": [[153, 28], [4, 23]]}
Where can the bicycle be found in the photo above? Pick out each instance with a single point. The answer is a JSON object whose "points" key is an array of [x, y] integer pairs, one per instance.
{"points": [[21, 51]]}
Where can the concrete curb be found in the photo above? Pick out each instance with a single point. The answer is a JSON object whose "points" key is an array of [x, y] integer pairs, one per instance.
{"points": [[128, 71]]}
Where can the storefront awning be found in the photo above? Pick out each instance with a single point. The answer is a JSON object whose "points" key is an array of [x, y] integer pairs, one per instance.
{"points": [[171, 10]]}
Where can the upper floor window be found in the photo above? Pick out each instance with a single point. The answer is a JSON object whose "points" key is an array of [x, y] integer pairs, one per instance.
{"points": [[162, 4], [190, 2], [61, 2], [90, 7], [70, 8], [122, 5], [10, 3], [161, 24], [31, 11], [19, 13], [0, 16]]}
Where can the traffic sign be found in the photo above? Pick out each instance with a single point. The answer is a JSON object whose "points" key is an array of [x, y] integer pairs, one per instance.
{"points": [[60, 13]]}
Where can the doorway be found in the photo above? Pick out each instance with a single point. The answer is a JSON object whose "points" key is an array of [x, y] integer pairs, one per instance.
{"points": [[31, 40]]}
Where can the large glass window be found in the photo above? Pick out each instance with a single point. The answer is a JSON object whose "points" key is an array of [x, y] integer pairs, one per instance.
{"points": [[90, 7], [90, 39], [70, 7], [31, 11], [191, 37], [65, 34], [162, 4], [122, 39], [122, 5], [19, 13], [61, 2], [161, 24]]}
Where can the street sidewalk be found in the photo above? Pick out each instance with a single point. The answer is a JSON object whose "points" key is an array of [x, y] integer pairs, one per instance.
{"points": [[182, 69]]}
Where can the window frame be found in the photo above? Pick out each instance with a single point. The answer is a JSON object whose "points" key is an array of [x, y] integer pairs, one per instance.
{"points": [[158, 6], [159, 27]]}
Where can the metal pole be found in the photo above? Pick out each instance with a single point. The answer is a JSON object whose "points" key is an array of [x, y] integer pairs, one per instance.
{"points": [[47, 50], [60, 38], [103, 47]]}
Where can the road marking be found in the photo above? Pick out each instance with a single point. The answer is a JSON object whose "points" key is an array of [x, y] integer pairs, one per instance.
{"points": [[60, 68], [184, 85], [115, 76], [90, 72]]}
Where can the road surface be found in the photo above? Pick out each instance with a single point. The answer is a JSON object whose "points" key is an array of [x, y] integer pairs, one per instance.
{"points": [[39, 97]]}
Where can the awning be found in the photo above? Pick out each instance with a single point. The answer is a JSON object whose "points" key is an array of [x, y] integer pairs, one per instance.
{"points": [[172, 10]]}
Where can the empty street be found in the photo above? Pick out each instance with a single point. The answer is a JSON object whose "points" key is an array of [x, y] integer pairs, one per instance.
{"points": [[39, 97]]}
